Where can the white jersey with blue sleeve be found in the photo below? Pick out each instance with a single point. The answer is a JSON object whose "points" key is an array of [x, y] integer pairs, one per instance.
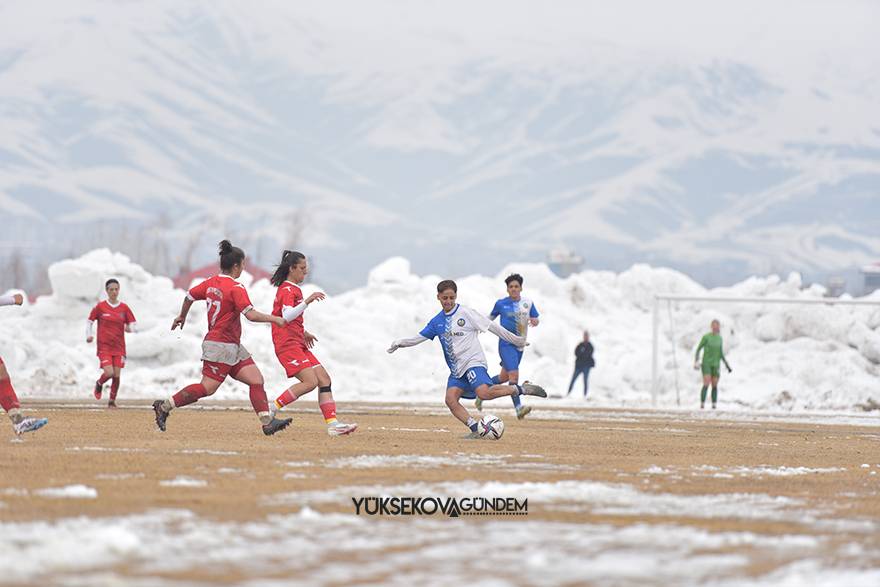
{"points": [[515, 314], [459, 333]]}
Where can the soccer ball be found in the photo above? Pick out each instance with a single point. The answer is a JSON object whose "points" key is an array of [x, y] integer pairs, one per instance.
{"points": [[491, 427]]}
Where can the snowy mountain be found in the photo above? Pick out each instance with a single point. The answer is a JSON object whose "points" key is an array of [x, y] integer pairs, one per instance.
{"points": [[723, 142]]}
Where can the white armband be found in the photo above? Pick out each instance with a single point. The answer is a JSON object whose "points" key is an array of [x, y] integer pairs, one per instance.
{"points": [[90, 326]]}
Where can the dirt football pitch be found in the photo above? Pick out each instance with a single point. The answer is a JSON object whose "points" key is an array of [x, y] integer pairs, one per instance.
{"points": [[747, 499]]}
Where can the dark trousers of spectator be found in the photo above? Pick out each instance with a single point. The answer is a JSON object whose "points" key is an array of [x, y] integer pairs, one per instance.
{"points": [[585, 371]]}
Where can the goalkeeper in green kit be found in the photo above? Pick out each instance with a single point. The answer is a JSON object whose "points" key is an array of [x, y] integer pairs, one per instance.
{"points": [[713, 354]]}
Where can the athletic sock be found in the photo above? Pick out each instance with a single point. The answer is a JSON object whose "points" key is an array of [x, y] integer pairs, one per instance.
{"points": [[284, 399], [714, 393], [472, 424], [328, 409], [260, 403], [103, 378], [517, 401], [186, 396], [496, 379], [703, 394], [8, 399], [114, 389]]}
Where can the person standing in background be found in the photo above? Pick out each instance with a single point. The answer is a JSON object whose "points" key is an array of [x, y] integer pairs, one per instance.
{"points": [[583, 362], [713, 354]]}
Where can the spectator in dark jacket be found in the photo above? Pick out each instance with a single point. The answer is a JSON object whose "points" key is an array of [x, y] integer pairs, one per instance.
{"points": [[583, 362]]}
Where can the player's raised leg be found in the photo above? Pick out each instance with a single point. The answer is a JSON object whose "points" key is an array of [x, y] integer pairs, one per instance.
{"points": [[106, 375], [12, 407], [8, 399], [308, 381]]}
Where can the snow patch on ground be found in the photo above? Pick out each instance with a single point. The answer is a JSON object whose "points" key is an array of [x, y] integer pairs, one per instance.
{"points": [[587, 496], [123, 550], [415, 461], [182, 481], [68, 492]]}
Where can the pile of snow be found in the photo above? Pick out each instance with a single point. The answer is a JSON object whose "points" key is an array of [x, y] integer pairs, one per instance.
{"points": [[790, 357]]}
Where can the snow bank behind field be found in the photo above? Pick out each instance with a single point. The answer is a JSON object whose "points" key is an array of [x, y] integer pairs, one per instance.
{"points": [[789, 357]]}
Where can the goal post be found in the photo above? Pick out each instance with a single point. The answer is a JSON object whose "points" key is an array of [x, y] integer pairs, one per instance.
{"points": [[669, 298]]}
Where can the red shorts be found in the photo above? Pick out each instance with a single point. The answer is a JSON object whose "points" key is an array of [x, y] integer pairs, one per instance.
{"points": [[219, 371], [295, 358], [108, 360]]}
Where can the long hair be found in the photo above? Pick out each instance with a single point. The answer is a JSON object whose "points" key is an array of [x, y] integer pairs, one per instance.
{"points": [[229, 256], [288, 259]]}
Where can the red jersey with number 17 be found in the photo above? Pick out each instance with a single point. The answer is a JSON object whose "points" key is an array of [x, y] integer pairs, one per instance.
{"points": [[227, 301], [288, 294], [111, 326]]}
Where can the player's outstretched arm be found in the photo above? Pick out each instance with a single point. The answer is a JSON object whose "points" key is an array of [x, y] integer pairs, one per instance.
{"points": [[255, 316], [507, 335], [184, 310], [13, 300], [405, 342], [291, 313]]}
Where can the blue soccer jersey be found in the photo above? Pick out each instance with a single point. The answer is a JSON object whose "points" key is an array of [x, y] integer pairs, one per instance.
{"points": [[459, 333], [515, 315]]}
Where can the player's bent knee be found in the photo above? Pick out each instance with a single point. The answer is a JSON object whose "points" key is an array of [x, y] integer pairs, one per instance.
{"points": [[483, 392]]}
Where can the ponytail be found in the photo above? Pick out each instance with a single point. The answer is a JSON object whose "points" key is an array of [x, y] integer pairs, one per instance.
{"points": [[288, 259], [229, 256]]}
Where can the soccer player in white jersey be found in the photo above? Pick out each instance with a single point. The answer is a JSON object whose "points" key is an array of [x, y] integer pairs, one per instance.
{"points": [[458, 328], [517, 314]]}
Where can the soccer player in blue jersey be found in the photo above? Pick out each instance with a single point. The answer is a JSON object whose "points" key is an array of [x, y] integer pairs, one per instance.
{"points": [[458, 328], [517, 314]]}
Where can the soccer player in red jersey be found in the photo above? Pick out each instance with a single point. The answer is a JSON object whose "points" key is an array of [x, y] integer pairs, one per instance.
{"points": [[114, 319], [222, 352], [293, 343], [8, 399]]}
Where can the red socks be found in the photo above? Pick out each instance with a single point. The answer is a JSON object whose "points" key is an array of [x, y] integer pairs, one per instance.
{"points": [[328, 408], [103, 378], [284, 399], [8, 399], [189, 395], [258, 400], [114, 388]]}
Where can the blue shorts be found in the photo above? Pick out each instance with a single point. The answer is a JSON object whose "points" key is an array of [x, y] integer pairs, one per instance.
{"points": [[472, 379], [510, 356]]}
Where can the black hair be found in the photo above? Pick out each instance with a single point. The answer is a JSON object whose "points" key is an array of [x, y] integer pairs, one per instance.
{"points": [[288, 259], [514, 277], [111, 281], [446, 284], [229, 256]]}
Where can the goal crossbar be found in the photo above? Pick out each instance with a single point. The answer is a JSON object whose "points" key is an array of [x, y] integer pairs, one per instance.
{"points": [[655, 351]]}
